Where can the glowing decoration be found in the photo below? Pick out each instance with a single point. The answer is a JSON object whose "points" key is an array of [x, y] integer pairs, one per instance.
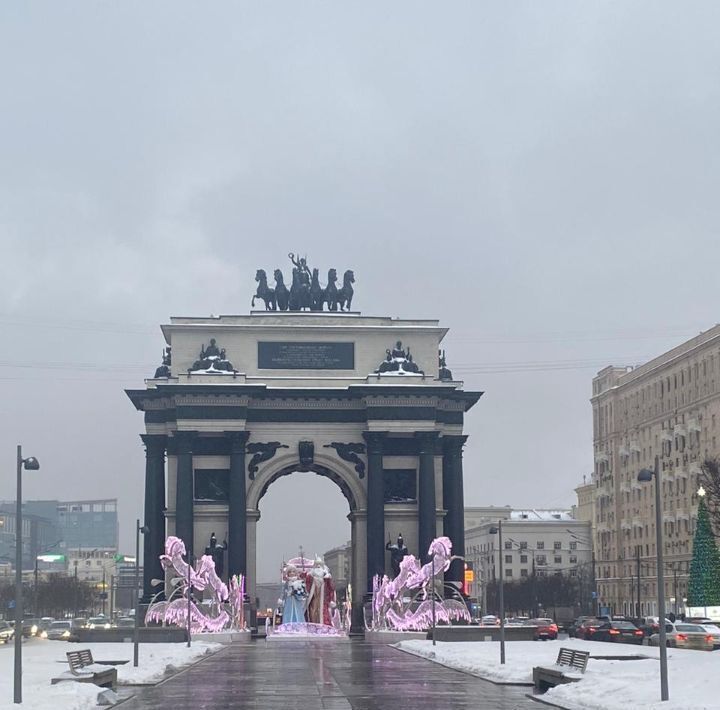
{"points": [[405, 603], [307, 629], [704, 583], [210, 615]]}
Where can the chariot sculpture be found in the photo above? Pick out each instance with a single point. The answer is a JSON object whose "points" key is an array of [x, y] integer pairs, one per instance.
{"points": [[305, 292]]}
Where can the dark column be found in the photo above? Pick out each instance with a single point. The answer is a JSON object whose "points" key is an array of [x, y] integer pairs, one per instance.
{"points": [[154, 519], [427, 513], [454, 504], [237, 505], [375, 506], [184, 493]]}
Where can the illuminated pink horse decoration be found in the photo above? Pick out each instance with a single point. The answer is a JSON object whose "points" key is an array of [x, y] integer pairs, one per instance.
{"points": [[202, 577], [389, 608]]}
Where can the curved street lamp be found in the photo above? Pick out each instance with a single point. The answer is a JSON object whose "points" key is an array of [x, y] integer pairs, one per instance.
{"points": [[29, 464]]}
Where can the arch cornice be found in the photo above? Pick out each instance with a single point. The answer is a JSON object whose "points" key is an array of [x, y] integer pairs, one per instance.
{"points": [[343, 475]]}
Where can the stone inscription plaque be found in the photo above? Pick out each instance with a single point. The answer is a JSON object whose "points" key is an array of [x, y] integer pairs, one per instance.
{"points": [[306, 356]]}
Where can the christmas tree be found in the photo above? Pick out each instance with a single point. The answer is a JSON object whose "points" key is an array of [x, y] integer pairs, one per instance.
{"points": [[704, 583]]}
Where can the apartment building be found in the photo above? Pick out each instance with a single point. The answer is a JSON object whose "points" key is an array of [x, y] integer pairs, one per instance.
{"points": [[668, 407], [535, 541]]}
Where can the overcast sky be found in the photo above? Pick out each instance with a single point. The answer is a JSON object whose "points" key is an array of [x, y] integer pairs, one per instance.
{"points": [[540, 176]]}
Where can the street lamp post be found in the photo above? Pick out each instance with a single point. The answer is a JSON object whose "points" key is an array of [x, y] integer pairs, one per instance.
{"points": [[498, 531], [136, 635], [644, 476], [30, 464]]}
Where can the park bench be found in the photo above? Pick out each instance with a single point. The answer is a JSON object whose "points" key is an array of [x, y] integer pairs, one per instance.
{"points": [[569, 661], [84, 670]]}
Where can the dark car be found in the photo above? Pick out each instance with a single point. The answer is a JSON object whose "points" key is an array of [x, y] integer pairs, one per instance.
{"points": [[587, 629], [30, 627], [618, 632], [545, 629]]}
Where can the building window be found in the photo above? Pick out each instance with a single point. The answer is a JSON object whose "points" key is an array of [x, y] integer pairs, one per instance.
{"points": [[508, 559], [558, 559], [508, 545], [573, 559], [557, 545], [540, 545], [573, 545], [523, 545], [523, 573], [523, 559], [508, 573]]}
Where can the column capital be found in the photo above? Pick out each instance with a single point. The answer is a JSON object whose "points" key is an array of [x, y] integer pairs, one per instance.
{"points": [[154, 443], [184, 441], [426, 441], [374, 441], [238, 439], [453, 444]]}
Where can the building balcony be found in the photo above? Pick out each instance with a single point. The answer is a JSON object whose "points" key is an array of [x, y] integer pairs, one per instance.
{"points": [[680, 430], [635, 448], [682, 515], [624, 451], [693, 425], [601, 457], [668, 517], [626, 525], [667, 435], [637, 523]]}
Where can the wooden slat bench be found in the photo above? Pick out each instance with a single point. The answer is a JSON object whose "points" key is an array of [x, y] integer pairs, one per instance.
{"points": [[573, 660], [80, 673]]}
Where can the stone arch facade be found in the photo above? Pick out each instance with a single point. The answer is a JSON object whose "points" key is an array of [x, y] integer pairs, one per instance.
{"points": [[391, 439]]}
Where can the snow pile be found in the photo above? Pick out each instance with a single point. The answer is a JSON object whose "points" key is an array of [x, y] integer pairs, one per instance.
{"points": [[606, 685], [43, 660]]}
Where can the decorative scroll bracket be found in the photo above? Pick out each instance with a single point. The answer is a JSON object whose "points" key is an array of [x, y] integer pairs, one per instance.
{"points": [[349, 453], [261, 453]]}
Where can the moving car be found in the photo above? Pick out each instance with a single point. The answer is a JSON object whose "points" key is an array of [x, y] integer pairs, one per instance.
{"points": [[30, 627], [125, 622], [7, 633], [714, 631], [98, 622], [618, 632], [546, 629], [572, 629], [490, 620], [681, 635], [61, 631], [588, 628]]}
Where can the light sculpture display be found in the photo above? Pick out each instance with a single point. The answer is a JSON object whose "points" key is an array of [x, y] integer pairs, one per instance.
{"points": [[209, 616], [405, 603]]}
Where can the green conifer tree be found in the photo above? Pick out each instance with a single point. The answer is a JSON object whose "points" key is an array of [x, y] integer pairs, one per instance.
{"points": [[704, 583]]}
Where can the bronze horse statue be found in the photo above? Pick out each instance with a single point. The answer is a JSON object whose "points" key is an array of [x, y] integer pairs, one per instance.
{"points": [[331, 291], [264, 291], [345, 294], [317, 294], [282, 295]]}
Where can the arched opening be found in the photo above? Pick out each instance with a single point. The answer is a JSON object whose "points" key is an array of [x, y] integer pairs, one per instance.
{"points": [[305, 513]]}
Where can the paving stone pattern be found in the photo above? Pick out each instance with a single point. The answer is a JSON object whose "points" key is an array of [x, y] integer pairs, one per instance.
{"points": [[328, 675]]}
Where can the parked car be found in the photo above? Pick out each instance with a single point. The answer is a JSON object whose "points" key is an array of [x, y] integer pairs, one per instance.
{"points": [[7, 633], [714, 631], [650, 625], [546, 629], [61, 631], [618, 632], [681, 635]]}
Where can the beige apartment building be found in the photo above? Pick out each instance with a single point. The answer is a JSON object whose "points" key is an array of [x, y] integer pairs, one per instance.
{"points": [[668, 407]]}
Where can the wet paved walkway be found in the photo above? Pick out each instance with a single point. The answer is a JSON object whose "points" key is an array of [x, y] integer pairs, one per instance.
{"points": [[328, 675]]}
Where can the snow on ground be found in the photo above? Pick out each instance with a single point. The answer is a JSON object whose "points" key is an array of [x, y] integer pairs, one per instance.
{"points": [[40, 664], [694, 676]]}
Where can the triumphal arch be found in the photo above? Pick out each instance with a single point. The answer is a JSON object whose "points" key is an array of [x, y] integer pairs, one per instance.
{"points": [[241, 400]]}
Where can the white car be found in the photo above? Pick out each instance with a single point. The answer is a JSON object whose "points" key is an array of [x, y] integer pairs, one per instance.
{"points": [[714, 631], [490, 620]]}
